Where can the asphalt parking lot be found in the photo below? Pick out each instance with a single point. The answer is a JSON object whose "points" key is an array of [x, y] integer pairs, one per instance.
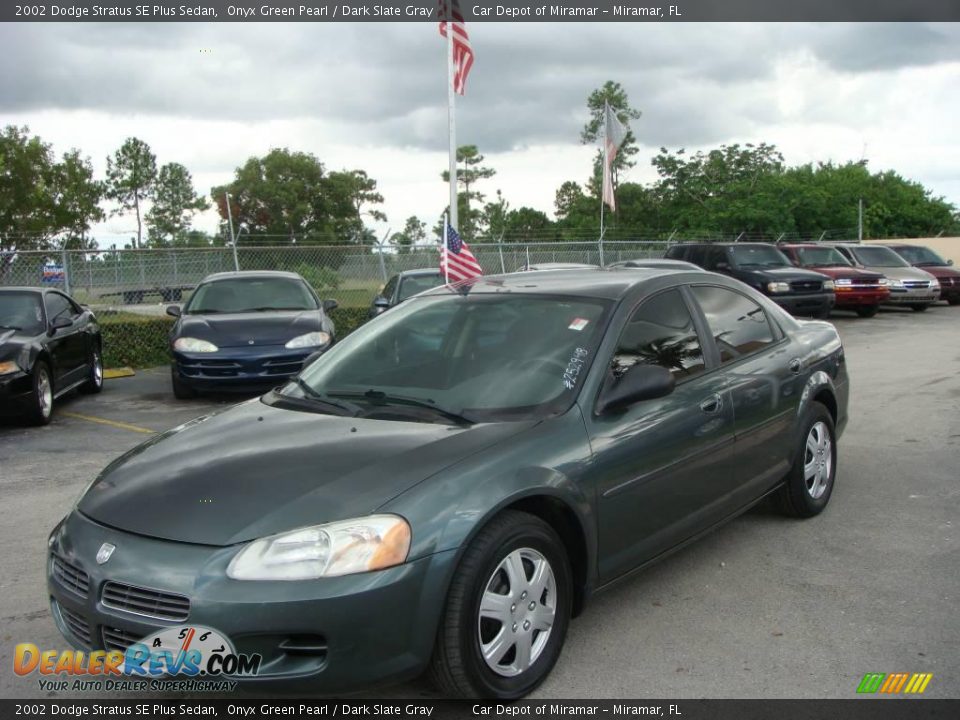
{"points": [[764, 608]]}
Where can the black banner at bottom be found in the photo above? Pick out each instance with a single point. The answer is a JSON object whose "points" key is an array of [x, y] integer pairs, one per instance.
{"points": [[854, 709]]}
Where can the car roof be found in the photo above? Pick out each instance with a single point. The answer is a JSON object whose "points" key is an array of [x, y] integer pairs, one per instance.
{"points": [[25, 288], [537, 267], [234, 274], [611, 284], [419, 272], [728, 243], [656, 263]]}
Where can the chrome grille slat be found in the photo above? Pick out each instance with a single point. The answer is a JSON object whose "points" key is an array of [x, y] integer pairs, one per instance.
{"points": [[71, 577], [117, 638], [145, 601], [77, 624]]}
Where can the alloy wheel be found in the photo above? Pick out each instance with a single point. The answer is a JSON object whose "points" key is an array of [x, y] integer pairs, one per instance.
{"points": [[517, 612], [818, 460], [44, 392]]}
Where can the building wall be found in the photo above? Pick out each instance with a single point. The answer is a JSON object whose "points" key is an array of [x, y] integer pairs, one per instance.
{"points": [[947, 247]]}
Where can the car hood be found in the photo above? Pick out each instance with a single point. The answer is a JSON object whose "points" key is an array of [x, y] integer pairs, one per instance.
{"points": [[846, 271], [255, 470], [12, 343], [238, 329], [939, 271], [902, 273], [785, 274]]}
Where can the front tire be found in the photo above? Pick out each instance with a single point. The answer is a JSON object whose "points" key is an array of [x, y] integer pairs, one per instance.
{"points": [[919, 308], [507, 611], [954, 301], [867, 312], [181, 391], [41, 398], [94, 383], [810, 481]]}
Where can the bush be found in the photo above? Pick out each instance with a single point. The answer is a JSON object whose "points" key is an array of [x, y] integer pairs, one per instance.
{"points": [[135, 340], [141, 341]]}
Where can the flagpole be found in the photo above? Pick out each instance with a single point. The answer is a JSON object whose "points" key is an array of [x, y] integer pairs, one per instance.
{"points": [[445, 253], [452, 125], [603, 177]]}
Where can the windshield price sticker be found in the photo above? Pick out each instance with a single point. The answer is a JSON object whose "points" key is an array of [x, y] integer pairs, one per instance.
{"points": [[578, 324]]}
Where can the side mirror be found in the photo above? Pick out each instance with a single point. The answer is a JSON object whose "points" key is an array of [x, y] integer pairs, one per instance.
{"points": [[60, 323], [381, 303], [722, 266], [174, 311], [330, 305], [950, 261], [640, 382]]}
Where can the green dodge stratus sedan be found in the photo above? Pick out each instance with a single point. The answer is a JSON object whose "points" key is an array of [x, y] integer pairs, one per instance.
{"points": [[445, 488]]}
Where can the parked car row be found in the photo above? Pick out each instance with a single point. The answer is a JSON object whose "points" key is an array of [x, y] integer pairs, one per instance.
{"points": [[815, 278]]}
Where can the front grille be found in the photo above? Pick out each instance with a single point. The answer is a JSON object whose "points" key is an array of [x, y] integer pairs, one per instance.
{"points": [[71, 577], [916, 284], [210, 368], [802, 286], [118, 639], [145, 601], [76, 623]]}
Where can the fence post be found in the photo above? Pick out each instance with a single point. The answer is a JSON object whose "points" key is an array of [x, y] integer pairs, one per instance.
{"points": [[65, 261]]}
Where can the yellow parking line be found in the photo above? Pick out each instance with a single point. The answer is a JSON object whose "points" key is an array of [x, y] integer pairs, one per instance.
{"points": [[111, 423]]}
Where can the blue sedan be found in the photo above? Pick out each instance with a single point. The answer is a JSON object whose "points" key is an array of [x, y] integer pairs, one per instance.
{"points": [[246, 331]]}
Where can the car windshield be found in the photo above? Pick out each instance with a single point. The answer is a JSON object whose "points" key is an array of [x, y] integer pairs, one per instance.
{"points": [[820, 257], [413, 284], [877, 256], [758, 256], [919, 255], [253, 294], [21, 311], [481, 357]]}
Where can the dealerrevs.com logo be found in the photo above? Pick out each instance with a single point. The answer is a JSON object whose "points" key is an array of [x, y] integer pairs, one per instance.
{"points": [[182, 658]]}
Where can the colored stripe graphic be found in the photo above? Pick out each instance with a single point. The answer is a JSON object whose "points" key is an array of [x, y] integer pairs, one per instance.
{"points": [[871, 682], [893, 683]]}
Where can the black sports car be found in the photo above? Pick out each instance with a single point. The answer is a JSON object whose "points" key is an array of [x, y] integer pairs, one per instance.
{"points": [[49, 345], [246, 331]]}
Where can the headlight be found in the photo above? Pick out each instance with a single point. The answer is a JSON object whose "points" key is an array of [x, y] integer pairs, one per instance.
{"points": [[829, 285], [189, 344], [8, 367], [935, 285], [312, 339], [778, 287], [339, 548]]}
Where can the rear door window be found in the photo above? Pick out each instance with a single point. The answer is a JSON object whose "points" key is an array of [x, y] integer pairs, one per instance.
{"points": [[739, 325]]}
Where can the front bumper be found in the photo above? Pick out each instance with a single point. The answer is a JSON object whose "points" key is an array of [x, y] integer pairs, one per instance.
{"points": [[360, 629], [808, 304], [239, 368], [15, 391], [912, 296], [855, 297]]}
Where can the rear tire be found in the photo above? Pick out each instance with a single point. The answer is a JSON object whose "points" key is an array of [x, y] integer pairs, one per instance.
{"points": [[41, 398], [94, 383], [919, 308], [507, 611], [867, 312], [181, 391], [810, 481]]}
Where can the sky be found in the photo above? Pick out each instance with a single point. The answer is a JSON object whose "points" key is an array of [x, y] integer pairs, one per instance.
{"points": [[372, 96]]}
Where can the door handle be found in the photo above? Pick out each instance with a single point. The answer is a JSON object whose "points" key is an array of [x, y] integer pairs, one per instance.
{"points": [[712, 404], [795, 366]]}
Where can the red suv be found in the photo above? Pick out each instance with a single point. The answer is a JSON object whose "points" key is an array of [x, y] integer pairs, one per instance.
{"points": [[859, 290], [926, 259]]}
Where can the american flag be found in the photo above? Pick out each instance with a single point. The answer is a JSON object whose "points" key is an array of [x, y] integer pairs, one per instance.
{"points": [[614, 134], [456, 260], [462, 51]]}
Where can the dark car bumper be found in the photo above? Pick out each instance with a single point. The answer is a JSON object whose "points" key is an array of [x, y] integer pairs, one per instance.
{"points": [[240, 368], [15, 391], [362, 629], [810, 304]]}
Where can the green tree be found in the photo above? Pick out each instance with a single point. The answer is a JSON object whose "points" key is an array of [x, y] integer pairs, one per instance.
{"points": [[525, 223], [175, 201], [355, 195], [414, 233], [283, 195], [131, 173], [42, 200], [611, 93], [493, 217], [471, 172]]}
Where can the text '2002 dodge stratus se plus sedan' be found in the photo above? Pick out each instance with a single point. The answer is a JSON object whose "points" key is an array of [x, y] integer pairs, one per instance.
{"points": [[446, 487]]}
